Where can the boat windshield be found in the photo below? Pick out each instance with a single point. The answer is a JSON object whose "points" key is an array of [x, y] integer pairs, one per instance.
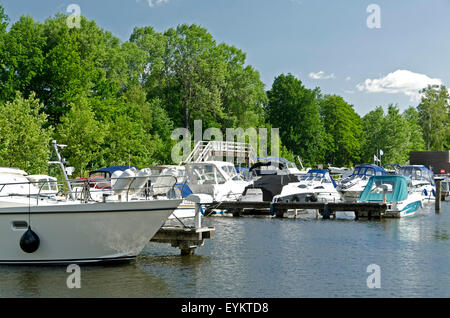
{"points": [[206, 174], [315, 176], [417, 173], [366, 171], [231, 172]]}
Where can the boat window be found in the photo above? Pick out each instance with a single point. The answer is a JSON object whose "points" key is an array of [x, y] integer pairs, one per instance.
{"points": [[370, 172], [44, 185]]}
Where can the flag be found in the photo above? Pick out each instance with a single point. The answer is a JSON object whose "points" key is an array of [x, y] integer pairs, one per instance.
{"points": [[375, 158]]}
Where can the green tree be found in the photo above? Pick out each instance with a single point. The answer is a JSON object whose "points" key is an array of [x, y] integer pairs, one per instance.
{"points": [[294, 110], [83, 135], [396, 137], [372, 124], [343, 131], [416, 142], [434, 117], [23, 59], [24, 140]]}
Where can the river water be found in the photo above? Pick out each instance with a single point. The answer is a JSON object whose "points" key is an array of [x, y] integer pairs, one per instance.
{"points": [[267, 257]]}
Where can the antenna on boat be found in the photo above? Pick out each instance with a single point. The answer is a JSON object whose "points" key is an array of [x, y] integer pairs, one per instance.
{"points": [[61, 161]]}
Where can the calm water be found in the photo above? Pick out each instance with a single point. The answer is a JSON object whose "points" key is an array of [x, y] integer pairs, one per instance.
{"points": [[263, 257]]}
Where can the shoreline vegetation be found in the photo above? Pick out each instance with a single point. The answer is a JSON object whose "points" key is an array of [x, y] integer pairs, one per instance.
{"points": [[116, 103]]}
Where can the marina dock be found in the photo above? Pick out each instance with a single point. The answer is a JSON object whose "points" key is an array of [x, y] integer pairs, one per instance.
{"points": [[326, 210]]}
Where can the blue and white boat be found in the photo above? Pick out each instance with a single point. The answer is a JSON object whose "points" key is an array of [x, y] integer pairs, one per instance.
{"points": [[397, 191], [316, 186], [422, 180], [352, 186]]}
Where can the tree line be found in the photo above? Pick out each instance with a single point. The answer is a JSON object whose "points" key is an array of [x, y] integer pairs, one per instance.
{"points": [[116, 103]]}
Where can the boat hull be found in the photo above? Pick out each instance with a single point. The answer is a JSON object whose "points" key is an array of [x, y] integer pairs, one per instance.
{"points": [[82, 233]]}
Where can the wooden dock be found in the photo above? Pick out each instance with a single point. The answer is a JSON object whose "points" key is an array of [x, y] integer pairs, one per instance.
{"points": [[325, 209], [187, 239]]}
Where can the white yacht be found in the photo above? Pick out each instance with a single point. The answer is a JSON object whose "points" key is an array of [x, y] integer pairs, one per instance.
{"points": [[397, 191], [39, 229], [316, 186], [218, 179], [352, 186], [422, 180]]}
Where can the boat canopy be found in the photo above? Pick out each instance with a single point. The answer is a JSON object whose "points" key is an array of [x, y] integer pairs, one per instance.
{"points": [[395, 187], [318, 175], [368, 170], [107, 172], [417, 172]]}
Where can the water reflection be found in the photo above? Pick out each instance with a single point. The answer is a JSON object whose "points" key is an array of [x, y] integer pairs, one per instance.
{"points": [[265, 257], [124, 280]]}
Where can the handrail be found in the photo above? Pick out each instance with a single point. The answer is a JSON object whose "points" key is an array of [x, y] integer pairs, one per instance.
{"points": [[86, 193]]}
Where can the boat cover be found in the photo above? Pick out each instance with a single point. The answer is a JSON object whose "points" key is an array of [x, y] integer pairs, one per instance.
{"points": [[399, 189], [271, 185]]}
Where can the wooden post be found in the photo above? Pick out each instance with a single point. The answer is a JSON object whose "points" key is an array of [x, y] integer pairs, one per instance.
{"points": [[437, 206]]}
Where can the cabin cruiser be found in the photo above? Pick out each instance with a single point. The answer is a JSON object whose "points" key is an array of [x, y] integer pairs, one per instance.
{"points": [[397, 191], [352, 186], [422, 180], [218, 179], [316, 186], [269, 179], [42, 229]]}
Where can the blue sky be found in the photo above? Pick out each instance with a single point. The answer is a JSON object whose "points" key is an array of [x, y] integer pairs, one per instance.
{"points": [[325, 43]]}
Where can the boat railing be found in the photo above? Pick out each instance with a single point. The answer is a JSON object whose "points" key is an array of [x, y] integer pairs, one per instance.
{"points": [[85, 189]]}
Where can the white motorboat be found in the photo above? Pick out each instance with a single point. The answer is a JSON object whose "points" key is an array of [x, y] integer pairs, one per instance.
{"points": [[316, 186], [422, 180], [38, 229], [396, 191], [218, 179], [352, 186]]}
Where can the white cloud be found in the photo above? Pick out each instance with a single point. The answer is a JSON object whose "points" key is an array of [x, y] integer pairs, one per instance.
{"points": [[399, 82], [348, 78], [321, 75], [152, 3]]}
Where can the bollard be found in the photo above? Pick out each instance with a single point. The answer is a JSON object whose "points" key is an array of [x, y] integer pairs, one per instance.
{"points": [[437, 206], [198, 216]]}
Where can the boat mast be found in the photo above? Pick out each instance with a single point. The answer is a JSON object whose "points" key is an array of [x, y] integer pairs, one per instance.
{"points": [[61, 162]]}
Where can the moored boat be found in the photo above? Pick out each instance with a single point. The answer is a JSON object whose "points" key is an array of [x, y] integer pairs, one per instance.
{"points": [[316, 186], [352, 186], [396, 191], [38, 229]]}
